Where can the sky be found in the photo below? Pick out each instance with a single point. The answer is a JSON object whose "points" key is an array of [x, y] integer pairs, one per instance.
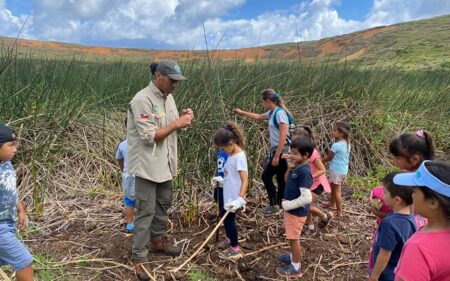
{"points": [[201, 24]]}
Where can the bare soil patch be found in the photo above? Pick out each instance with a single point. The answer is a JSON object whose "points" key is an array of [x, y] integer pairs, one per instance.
{"points": [[85, 235]]}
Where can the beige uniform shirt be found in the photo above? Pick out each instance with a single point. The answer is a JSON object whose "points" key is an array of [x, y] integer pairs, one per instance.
{"points": [[148, 111]]}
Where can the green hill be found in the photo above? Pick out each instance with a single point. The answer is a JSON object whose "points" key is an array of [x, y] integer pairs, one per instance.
{"points": [[423, 44]]}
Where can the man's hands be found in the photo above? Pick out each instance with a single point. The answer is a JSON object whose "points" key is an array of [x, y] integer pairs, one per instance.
{"points": [[187, 111], [187, 115]]}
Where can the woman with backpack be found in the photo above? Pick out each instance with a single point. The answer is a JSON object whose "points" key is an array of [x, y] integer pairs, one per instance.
{"points": [[279, 121]]}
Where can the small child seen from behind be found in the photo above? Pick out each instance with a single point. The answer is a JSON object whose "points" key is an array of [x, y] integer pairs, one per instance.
{"points": [[218, 180], [339, 158], [128, 184]]}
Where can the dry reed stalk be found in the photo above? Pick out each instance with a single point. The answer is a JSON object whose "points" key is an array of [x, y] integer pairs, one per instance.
{"points": [[204, 243], [4, 276]]}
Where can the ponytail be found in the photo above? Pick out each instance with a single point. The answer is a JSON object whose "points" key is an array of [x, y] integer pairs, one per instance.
{"points": [[430, 145], [270, 94], [409, 144], [309, 131], [306, 131], [231, 132]]}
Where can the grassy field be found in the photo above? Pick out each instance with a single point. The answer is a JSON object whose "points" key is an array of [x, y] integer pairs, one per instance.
{"points": [[69, 115], [52, 102]]}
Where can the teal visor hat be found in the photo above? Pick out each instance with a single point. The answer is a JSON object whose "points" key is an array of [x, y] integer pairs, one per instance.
{"points": [[423, 177]]}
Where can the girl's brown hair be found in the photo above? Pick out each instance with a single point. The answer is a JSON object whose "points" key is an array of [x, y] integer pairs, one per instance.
{"points": [[410, 144], [305, 131], [230, 132], [270, 94], [344, 128]]}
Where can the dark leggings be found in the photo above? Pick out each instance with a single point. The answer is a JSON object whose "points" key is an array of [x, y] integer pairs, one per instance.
{"points": [[231, 228], [267, 178], [229, 222]]}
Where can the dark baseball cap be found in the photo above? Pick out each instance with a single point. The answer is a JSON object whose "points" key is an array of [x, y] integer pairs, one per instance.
{"points": [[6, 134], [171, 69]]}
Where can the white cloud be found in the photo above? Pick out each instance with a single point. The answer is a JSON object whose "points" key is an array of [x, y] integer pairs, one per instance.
{"points": [[393, 11], [179, 23], [10, 24]]}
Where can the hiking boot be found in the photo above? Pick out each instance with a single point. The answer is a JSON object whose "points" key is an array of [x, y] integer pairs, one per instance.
{"points": [[325, 223], [140, 273], [162, 246], [285, 258], [270, 210], [230, 254], [289, 271]]}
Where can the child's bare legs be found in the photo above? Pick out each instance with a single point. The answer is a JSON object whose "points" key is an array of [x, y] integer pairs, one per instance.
{"points": [[332, 202], [129, 214], [313, 211], [309, 220], [336, 193], [295, 250], [25, 274]]}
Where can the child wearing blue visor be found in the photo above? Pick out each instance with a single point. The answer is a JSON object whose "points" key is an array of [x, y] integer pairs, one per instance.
{"points": [[425, 255]]}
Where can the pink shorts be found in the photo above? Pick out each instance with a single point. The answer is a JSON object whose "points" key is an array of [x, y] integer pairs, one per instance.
{"points": [[293, 225], [336, 178]]}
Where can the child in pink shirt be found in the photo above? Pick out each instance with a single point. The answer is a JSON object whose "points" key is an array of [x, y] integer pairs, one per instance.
{"points": [[425, 256], [379, 207]]}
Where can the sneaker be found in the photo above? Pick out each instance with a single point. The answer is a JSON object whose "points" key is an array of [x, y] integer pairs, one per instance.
{"points": [[289, 271], [129, 228], [270, 210], [224, 244], [285, 258], [307, 232], [325, 223], [230, 254]]}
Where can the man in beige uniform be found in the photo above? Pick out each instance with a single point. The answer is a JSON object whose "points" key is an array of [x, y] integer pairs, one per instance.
{"points": [[153, 121]]}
